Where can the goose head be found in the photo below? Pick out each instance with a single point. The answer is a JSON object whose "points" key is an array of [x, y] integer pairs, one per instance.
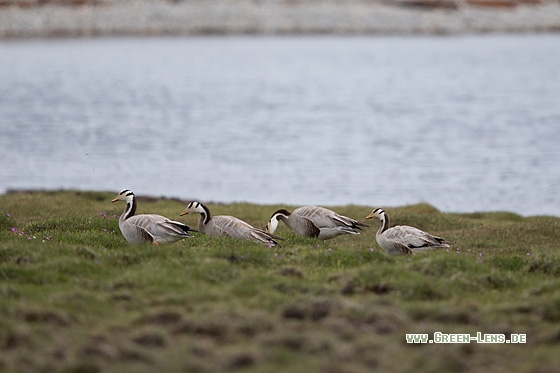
{"points": [[194, 208], [125, 195], [272, 224], [377, 213]]}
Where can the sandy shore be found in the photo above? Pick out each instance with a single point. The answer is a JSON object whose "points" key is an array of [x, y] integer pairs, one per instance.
{"points": [[73, 18]]}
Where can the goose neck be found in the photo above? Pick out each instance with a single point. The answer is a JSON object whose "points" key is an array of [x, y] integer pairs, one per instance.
{"points": [[130, 208], [385, 221], [205, 216]]}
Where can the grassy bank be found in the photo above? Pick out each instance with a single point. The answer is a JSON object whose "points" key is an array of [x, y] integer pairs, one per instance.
{"points": [[74, 296]]}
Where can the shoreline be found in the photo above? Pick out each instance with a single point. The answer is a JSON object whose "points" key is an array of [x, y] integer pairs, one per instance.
{"points": [[152, 198], [20, 19]]}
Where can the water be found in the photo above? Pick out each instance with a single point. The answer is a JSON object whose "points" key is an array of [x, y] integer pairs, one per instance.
{"points": [[465, 123]]}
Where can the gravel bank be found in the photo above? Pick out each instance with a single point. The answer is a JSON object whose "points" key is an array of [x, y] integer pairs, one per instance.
{"points": [[72, 18]]}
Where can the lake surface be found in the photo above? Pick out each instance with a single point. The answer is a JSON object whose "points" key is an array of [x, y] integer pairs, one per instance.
{"points": [[465, 123]]}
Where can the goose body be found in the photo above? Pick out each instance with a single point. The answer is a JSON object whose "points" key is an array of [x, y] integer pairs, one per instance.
{"points": [[228, 226], [403, 239], [315, 221], [144, 228]]}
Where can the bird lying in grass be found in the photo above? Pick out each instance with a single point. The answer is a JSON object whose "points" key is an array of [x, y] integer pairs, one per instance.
{"points": [[403, 239], [144, 228]]}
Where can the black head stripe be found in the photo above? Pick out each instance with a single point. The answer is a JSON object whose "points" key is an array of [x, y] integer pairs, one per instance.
{"points": [[126, 192], [282, 212]]}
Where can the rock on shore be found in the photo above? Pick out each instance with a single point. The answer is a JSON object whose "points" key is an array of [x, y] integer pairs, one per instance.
{"points": [[72, 18]]}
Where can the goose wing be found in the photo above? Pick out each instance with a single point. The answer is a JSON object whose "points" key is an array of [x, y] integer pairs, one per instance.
{"points": [[325, 218], [263, 237], [135, 232], [413, 238], [318, 216], [158, 226], [230, 226], [303, 224], [345, 220]]}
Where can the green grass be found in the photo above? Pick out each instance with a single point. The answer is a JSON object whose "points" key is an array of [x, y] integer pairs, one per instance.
{"points": [[75, 297]]}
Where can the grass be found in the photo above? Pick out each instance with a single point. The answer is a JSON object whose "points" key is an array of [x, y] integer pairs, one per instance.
{"points": [[75, 297]]}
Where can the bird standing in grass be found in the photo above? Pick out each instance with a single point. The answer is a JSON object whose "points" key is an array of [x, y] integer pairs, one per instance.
{"points": [[403, 239], [144, 228], [228, 226], [315, 221]]}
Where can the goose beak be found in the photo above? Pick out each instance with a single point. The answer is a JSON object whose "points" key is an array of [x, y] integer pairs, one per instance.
{"points": [[115, 199], [184, 213], [369, 216]]}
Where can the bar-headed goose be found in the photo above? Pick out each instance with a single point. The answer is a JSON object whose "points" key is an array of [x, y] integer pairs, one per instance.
{"points": [[228, 226], [152, 228], [314, 221], [403, 239]]}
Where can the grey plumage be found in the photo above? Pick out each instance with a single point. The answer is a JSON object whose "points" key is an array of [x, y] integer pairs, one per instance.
{"points": [[315, 221], [228, 226], [403, 239], [152, 228]]}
